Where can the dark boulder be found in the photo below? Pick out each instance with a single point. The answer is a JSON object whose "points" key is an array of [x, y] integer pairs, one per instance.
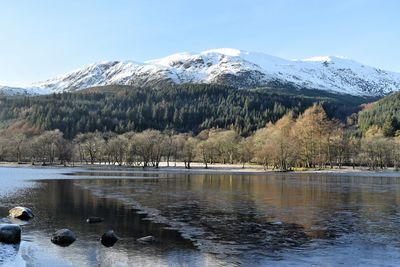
{"points": [[21, 213], [109, 238], [10, 233], [147, 240], [63, 237], [94, 220]]}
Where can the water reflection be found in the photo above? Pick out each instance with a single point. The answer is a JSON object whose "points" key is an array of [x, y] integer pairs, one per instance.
{"points": [[233, 215], [60, 204], [8, 251], [214, 220]]}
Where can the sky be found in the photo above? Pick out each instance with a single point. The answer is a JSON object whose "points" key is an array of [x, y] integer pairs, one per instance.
{"points": [[43, 38]]}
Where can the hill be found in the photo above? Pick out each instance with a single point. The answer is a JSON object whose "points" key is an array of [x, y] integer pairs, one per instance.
{"points": [[182, 108], [385, 113]]}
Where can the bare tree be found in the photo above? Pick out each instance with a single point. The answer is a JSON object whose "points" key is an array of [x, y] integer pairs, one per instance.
{"points": [[189, 151], [245, 151]]}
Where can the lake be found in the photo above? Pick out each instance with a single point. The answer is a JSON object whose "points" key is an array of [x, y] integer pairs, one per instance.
{"points": [[279, 219]]}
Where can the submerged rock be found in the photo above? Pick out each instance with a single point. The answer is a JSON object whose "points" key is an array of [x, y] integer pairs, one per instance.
{"points": [[94, 220], [147, 240], [21, 213], [10, 233], [109, 238], [63, 237]]}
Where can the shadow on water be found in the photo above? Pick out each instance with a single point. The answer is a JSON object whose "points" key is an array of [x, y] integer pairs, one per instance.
{"points": [[60, 204]]}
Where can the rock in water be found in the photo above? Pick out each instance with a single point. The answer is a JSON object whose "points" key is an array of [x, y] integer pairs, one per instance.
{"points": [[10, 233], [63, 237], [109, 238], [21, 213], [147, 240], [94, 220]]}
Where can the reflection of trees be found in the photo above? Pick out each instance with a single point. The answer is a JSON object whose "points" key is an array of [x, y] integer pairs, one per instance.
{"points": [[325, 206], [62, 204], [236, 212], [223, 211]]}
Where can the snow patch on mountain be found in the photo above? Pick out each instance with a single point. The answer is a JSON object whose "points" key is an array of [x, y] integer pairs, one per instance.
{"points": [[14, 91], [318, 59], [227, 66]]}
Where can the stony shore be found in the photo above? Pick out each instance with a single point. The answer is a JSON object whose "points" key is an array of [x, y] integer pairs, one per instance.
{"points": [[218, 168]]}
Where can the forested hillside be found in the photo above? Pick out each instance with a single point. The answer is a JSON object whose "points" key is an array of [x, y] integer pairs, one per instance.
{"points": [[310, 140], [384, 114], [185, 108]]}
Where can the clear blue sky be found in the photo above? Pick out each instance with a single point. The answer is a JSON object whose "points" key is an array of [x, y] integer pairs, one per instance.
{"points": [[39, 39]]}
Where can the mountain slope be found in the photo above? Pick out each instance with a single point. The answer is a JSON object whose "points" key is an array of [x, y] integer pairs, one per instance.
{"points": [[230, 67], [386, 110], [183, 108]]}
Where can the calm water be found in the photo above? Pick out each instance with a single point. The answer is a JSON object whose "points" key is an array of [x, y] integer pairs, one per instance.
{"points": [[205, 220]]}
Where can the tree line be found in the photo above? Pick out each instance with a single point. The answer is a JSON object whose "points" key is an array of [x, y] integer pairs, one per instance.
{"points": [[185, 108], [308, 140]]}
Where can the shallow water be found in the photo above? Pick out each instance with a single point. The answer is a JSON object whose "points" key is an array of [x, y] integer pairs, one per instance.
{"points": [[205, 220]]}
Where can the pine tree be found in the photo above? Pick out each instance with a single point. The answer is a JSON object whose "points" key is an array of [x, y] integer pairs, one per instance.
{"points": [[389, 127]]}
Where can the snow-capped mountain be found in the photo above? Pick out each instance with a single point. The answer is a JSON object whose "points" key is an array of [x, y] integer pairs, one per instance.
{"points": [[13, 91], [227, 66]]}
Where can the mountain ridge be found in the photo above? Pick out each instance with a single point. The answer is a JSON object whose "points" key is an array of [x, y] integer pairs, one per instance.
{"points": [[226, 66]]}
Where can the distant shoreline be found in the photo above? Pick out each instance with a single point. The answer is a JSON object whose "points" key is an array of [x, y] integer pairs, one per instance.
{"points": [[218, 168]]}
